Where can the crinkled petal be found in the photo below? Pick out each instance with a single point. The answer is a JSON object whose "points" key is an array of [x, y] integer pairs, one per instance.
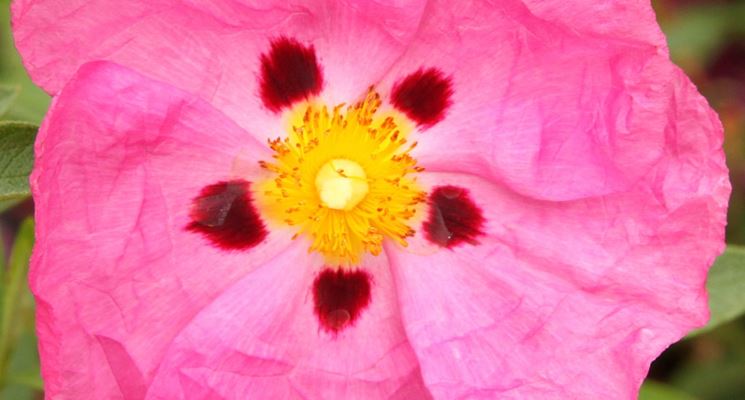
{"points": [[212, 47], [609, 19], [261, 340], [115, 273], [562, 300], [552, 111]]}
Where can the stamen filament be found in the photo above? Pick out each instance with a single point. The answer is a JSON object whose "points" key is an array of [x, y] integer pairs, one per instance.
{"points": [[344, 179]]}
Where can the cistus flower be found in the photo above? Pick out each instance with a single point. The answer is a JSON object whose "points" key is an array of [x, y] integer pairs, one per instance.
{"points": [[365, 200]]}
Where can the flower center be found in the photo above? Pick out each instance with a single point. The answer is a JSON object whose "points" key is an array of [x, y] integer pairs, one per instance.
{"points": [[341, 184], [344, 178]]}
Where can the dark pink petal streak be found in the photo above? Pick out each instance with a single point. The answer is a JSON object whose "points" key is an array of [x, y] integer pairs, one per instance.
{"points": [[225, 214], [423, 96], [453, 218], [289, 72], [340, 296]]}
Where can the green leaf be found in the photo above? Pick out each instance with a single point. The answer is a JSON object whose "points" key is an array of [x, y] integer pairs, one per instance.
{"points": [[31, 102], [652, 390], [27, 380], [14, 291], [23, 366], [18, 392], [16, 158], [726, 285], [8, 95], [9, 203], [696, 32], [3, 273]]}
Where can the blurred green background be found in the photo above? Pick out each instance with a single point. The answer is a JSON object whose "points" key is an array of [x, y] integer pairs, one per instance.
{"points": [[706, 38]]}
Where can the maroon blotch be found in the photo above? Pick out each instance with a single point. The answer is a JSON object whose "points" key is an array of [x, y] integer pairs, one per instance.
{"points": [[340, 296], [423, 96], [289, 72], [224, 213], [454, 218]]}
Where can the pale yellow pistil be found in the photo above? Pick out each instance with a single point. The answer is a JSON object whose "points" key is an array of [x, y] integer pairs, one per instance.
{"points": [[341, 184]]}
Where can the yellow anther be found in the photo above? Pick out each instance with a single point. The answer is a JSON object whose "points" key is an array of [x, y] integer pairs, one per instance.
{"points": [[343, 178]]}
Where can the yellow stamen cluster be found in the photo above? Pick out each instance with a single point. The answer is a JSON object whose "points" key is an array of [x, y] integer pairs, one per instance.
{"points": [[343, 177]]}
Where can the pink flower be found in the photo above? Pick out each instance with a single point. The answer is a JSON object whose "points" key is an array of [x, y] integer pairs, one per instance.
{"points": [[547, 237]]}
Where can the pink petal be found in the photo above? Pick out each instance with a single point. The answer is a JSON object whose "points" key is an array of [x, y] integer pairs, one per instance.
{"points": [[212, 48], [260, 339], [633, 20], [570, 102], [116, 273], [563, 300]]}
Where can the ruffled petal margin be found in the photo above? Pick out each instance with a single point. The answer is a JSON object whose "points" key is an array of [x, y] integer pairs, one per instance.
{"points": [[213, 48], [552, 104], [558, 300]]}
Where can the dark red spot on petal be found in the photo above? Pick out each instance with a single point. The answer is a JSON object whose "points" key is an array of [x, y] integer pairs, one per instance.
{"points": [[224, 214], [454, 218], [423, 96], [289, 72], [340, 296]]}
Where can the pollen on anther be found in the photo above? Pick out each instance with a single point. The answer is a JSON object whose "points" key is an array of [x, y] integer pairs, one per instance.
{"points": [[337, 224]]}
